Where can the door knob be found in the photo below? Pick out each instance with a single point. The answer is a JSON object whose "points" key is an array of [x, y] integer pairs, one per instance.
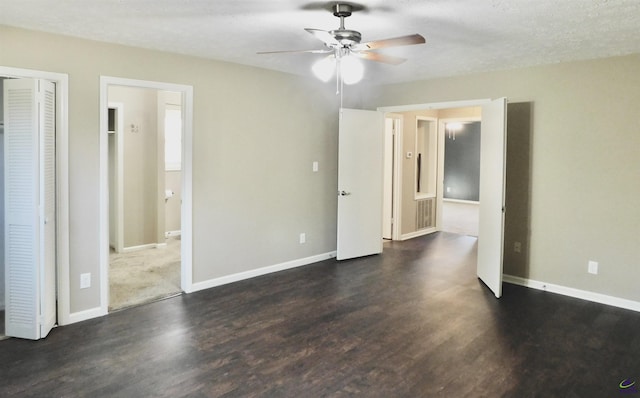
{"points": [[344, 193]]}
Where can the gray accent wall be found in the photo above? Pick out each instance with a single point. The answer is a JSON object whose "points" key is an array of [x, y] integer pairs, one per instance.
{"points": [[462, 163]]}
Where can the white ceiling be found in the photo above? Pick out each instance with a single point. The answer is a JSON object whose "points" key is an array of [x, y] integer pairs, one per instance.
{"points": [[463, 36]]}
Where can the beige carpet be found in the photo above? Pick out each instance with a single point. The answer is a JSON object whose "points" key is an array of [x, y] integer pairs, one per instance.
{"points": [[145, 275]]}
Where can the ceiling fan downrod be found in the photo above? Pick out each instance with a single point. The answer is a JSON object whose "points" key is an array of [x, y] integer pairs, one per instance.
{"points": [[345, 36]]}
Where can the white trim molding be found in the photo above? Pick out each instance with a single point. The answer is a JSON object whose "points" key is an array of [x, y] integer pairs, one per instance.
{"points": [[415, 234], [223, 280], [572, 292], [86, 315]]}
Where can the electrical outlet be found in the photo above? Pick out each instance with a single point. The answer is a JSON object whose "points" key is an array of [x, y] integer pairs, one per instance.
{"points": [[314, 166], [593, 267], [517, 247], [85, 281], [303, 238]]}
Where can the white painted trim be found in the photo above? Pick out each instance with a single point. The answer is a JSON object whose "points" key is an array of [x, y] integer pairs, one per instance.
{"points": [[572, 292], [169, 234], [261, 271], [86, 315], [415, 234], [186, 273], [434, 105], [466, 202], [62, 180]]}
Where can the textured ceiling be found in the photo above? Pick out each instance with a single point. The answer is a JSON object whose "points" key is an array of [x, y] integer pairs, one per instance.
{"points": [[463, 36]]}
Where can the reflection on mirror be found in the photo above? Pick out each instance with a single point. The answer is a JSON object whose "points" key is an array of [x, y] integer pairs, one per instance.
{"points": [[426, 157]]}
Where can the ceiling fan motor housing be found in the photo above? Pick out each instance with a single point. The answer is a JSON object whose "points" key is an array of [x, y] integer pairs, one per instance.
{"points": [[346, 37]]}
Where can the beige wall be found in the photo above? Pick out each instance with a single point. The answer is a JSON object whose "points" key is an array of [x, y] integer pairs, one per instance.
{"points": [[256, 134], [577, 129]]}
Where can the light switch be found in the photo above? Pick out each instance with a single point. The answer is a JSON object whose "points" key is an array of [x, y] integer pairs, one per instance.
{"points": [[592, 267], [315, 166], [85, 281]]}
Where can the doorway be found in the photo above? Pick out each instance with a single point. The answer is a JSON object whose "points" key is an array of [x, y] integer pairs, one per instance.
{"points": [[492, 182], [420, 170], [146, 182], [145, 140]]}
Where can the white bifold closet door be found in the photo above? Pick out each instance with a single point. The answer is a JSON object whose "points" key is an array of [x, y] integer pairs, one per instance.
{"points": [[30, 207]]}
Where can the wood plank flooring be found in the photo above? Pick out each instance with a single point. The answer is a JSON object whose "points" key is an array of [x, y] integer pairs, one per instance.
{"points": [[412, 322]]}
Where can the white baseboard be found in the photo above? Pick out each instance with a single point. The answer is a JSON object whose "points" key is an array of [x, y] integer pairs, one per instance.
{"points": [[260, 271], [142, 247], [172, 233], [422, 232], [84, 315], [576, 293]]}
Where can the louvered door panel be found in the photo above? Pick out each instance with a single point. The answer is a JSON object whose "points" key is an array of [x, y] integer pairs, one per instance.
{"points": [[21, 208], [48, 206]]}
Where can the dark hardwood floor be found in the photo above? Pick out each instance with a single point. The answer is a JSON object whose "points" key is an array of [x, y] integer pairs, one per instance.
{"points": [[412, 322]]}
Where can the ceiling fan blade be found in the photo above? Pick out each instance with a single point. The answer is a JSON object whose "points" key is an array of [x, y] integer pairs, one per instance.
{"points": [[396, 41], [387, 59], [323, 35], [323, 51]]}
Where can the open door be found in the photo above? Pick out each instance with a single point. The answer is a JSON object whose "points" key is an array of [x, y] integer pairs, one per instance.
{"points": [[492, 187], [360, 183], [30, 221]]}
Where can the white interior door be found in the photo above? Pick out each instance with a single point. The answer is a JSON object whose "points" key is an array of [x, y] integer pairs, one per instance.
{"points": [[387, 200], [492, 186], [360, 183], [29, 108]]}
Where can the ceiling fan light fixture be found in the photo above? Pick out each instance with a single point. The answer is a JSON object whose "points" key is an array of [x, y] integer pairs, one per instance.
{"points": [[324, 68], [351, 69]]}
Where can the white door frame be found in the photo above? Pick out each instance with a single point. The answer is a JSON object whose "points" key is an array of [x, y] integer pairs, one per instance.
{"points": [[61, 81], [186, 273]]}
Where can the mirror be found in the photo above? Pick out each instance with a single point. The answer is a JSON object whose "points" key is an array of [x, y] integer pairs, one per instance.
{"points": [[426, 157]]}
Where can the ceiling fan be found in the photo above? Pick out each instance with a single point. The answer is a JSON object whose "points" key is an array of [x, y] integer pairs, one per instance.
{"points": [[344, 46]]}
